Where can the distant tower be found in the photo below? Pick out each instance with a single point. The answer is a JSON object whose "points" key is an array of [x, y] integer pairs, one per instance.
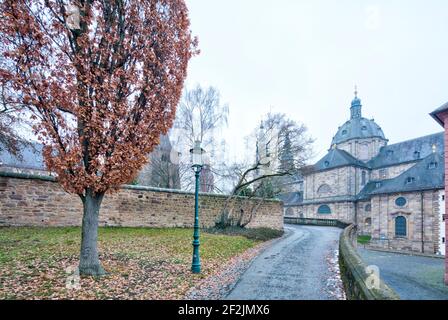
{"points": [[263, 151], [207, 180], [356, 106]]}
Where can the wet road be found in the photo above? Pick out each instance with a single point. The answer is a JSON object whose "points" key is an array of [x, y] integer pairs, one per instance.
{"points": [[412, 277], [293, 268]]}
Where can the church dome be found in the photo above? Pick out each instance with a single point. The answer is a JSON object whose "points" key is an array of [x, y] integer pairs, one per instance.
{"points": [[357, 127]]}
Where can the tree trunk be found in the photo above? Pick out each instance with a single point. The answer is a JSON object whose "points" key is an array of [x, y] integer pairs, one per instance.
{"points": [[89, 263]]}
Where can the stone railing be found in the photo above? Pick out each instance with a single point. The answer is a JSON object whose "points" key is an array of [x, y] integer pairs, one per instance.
{"points": [[358, 282], [316, 222]]}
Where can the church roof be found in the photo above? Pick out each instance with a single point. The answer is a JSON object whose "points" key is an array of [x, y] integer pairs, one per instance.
{"points": [[357, 127], [428, 174], [435, 114], [337, 158], [408, 151]]}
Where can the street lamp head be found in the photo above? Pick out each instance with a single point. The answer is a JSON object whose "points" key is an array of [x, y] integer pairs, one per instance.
{"points": [[197, 154]]}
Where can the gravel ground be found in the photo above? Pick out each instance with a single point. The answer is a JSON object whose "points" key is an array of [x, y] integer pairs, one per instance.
{"points": [[412, 277], [301, 266]]}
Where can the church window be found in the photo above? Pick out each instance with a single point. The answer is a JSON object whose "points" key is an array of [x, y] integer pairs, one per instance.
{"points": [[324, 209], [410, 180], [324, 189], [363, 178], [432, 165], [268, 153], [368, 207], [400, 226], [401, 201]]}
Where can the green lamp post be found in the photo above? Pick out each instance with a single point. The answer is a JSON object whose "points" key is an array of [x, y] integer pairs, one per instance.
{"points": [[196, 157]]}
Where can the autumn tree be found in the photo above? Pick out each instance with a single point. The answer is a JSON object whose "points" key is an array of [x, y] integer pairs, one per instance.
{"points": [[102, 79]]}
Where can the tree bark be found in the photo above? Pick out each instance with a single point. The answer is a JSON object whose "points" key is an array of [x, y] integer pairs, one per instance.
{"points": [[89, 263]]}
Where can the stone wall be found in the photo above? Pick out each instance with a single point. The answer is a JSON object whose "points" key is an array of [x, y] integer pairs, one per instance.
{"points": [[422, 221], [340, 180], [343, 211], [391, 171], [363, 149], [27, 200]]}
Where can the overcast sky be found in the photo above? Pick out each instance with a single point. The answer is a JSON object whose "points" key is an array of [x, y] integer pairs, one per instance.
{"points": [[303, 58]]}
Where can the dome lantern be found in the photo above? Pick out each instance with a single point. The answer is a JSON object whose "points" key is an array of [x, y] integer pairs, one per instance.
{"points": [[356, 106]]}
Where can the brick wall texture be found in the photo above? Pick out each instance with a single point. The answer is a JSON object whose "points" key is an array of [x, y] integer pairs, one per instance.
{"points": [[42, 202]]}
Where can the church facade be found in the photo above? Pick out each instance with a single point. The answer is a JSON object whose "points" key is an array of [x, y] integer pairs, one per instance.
{"points": [[393, 192]]}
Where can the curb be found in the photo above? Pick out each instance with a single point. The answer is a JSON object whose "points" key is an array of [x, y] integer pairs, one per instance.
{"points": [[405, 253]]}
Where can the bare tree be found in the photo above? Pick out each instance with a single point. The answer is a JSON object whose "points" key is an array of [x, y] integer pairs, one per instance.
{"points": [[200, 116], [283, 148], [12, 118]]}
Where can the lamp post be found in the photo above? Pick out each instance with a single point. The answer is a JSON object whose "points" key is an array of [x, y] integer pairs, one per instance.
{"points": [[196, 157]]}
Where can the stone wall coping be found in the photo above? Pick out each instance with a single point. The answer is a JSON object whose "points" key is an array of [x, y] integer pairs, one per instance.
{"points": [[18, 175], [406, 253], [354, 271]]}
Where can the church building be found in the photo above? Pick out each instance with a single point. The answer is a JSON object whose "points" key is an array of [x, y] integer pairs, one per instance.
{"points": [[393, 192]]}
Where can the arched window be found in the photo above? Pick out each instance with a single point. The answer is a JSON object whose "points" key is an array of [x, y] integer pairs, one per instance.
{"points": [[324, 189], [400, 226], [324, 209], [363, 178], [368, 222], [268, 151]]}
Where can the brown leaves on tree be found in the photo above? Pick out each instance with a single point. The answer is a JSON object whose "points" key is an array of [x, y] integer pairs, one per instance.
{"points": [[101, 78]]}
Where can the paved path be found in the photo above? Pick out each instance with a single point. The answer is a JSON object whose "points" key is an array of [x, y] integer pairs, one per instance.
{"points": [[294, 268], [412, 277]]}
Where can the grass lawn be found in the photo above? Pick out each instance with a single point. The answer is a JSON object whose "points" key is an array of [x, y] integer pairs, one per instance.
{"points": [[364, 239], [142, 263]]}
